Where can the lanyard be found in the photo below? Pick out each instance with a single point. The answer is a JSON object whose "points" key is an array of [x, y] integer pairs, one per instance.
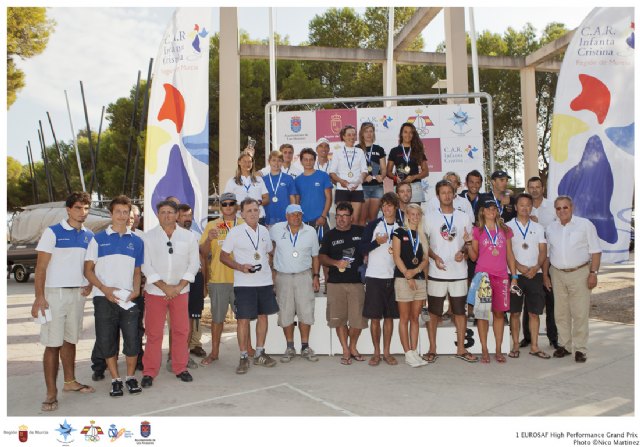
{"points": [[349, 164], [326, 166], [526, 230], [275, 190], [447, 223], [288, 169], [493, 239], [386, 229], [498, 204], [293, 240], [245, 186], [414, 244], [235, 221], [258, 239], [406, 155], [474, 203], [320, 233], [401, 218], [368, 155]]}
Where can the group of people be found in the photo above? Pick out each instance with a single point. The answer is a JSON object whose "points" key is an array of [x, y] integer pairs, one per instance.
{"points": [[389, 256]]}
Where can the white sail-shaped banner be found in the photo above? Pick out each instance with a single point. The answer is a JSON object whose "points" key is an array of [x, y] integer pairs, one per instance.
{"points": [[592, 138], [177, 144]]}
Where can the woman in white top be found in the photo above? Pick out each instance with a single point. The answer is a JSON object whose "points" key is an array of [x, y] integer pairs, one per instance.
{"points": [[348, 170], [247, 184]]}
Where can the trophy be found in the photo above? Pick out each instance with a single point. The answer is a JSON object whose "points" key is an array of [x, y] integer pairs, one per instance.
{"points": [[250, 149]]}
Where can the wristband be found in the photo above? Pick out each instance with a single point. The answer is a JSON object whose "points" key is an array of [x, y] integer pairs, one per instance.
{"points": [[516, 276], [316, 274]]}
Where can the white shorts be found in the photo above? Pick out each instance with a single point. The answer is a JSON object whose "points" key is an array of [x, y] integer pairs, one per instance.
{"points": [[67, 311], [442, 288]]}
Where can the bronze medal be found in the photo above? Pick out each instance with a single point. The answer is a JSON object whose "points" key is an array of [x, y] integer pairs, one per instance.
{"points": [[525, 245], [350, 174], [256, 256], [450, 237], [415, 261], [495, 252]]}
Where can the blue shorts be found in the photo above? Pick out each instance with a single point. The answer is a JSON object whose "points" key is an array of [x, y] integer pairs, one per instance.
{"points": [[253, 301], [372, 191]]}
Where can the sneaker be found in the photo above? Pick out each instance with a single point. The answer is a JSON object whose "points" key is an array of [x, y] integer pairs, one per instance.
{"points": [[289, 354], [264, 360], [147, 382], [185, 376], [191, 364], [97, 376], [243, 366], [116, 389], [132, 386], [169, 368], [412, 359], [307, 353]]}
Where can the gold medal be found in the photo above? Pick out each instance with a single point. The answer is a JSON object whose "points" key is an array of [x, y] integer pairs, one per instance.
{"points": [[407, 169], [350, 174], [256, 256], [415, 261], [369, 169], [342, 270], [274, 200], [495, 252], [525, 245]]}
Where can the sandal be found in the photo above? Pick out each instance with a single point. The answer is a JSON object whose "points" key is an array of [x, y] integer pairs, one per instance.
{"points": [[514, 354], [467, 357], [345, 361], [82, 389], [485, 359], [208, 360], [358, 357], [390, 360], [540, 354], [430, 357], [374, 361], [50, 405], [500, 358]]}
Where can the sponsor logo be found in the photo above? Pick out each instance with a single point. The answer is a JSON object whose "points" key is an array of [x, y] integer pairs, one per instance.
{"points": [[130, 246], [23, 433], [378, 121], [92, 432], [296, 124], [471, 150], [114, 433], [421, 122], [145, 429], [65, 431], [336, 123], [460, 119]]}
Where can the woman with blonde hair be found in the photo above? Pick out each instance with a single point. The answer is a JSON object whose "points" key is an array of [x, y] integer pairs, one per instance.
{"points": [[410, 255], [491, 249], [376, 170], [247, 184]]}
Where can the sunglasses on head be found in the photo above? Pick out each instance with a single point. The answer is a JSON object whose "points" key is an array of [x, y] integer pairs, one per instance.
{"points": [[226, 204], [170, 245]]}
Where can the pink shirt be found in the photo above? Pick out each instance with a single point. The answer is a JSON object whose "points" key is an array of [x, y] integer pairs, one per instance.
{"points": [[494, 265]]}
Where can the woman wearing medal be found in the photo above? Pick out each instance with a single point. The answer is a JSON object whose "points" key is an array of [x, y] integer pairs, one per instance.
{"points": [[247, 184], [410, 249], [491, 249], [281, 188], [348, 170], [409, 161], [376, 170]]}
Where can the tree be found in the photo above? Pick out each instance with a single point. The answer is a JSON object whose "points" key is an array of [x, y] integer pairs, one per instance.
{"points": [[28, 31]]}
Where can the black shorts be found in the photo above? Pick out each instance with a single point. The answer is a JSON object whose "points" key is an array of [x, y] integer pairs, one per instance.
{"points": [[109, 318], [380, 299], [253, 301], [471, 269], [456, 303], [344, 195], [533, 293]]}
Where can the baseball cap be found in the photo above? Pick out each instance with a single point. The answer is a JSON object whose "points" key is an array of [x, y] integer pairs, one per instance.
{"points": [[228, 196], [489, 203], [499, 174], [321, 141], [293, 208]]}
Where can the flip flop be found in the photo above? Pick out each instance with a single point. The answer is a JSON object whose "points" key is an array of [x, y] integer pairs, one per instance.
{"points": [[500, 358], [467, 357], [344, 361], [357, 357], [540, 354], [208, 360], [374, 361], [50, 405], [83, 389], [390, 360], [485, 359], [514, 354], [430, 357]]}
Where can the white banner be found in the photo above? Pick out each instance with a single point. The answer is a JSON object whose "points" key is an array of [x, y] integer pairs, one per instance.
{"points": [[593, 127], [177, 147]]}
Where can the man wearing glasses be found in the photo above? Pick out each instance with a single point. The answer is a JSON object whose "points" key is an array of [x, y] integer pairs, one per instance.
{"points": [[246, 250], [574, 256], [170, 265]]}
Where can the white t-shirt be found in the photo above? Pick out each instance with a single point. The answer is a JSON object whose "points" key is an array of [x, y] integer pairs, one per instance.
{"points": [[545, 213], [535, 236], [436, 228], [340, 165], [294, 170], [254, 190], [380, 263], [241, 241], [459, 203]]}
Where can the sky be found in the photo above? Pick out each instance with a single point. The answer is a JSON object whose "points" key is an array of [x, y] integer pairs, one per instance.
{"points": [[105, 47]]}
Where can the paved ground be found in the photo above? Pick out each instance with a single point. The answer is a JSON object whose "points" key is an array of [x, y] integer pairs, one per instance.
{"points": [[450, 387]]}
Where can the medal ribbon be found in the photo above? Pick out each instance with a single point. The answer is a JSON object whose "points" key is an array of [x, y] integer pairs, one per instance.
{"points": [[386, 230], [293, 241], [368, 155], [474, 203], [493, 239], [447, 223], [275, 190], [414, 244], [258, 239], [526, 230], [406, 155], [347, 157], [235, 222], [326, 166], [245, 186], [498, 204], [320, 233]]}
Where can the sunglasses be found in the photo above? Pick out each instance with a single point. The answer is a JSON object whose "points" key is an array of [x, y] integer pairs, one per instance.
{"points": [[343, 215], [558, 208], [227, 204], [170, 245]]}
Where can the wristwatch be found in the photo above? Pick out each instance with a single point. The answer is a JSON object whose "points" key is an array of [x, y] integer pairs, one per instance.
{"points": [[595, 272]]}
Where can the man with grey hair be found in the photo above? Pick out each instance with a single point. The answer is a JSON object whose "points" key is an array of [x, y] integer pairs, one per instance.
{"points": [[459, 203], [573, 263]]}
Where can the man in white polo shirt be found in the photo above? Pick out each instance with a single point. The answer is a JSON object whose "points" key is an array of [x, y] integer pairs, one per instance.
{"points": [[574, 254], [530, 250], [251, 246], [297, 278], [60, 289], [112, 265]]}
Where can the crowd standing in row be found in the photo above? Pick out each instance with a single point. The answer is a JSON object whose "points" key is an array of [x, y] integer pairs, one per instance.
{"points": [[387, 257]]}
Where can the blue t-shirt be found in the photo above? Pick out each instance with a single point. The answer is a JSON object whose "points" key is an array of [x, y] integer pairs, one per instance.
{"points": [[275, 211], [311, 191]]}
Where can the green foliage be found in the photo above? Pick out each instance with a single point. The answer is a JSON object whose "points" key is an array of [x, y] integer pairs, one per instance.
{"points": [[28, 31]]}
